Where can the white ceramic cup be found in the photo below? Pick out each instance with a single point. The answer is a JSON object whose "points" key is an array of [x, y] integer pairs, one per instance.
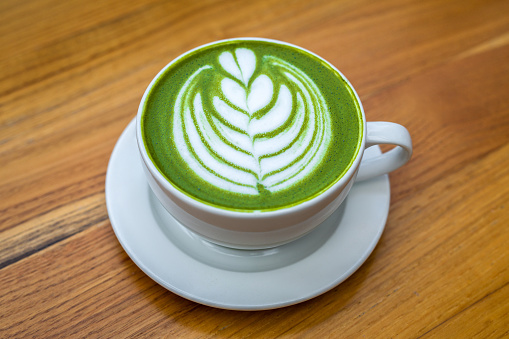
{"points": [[265, 229]]}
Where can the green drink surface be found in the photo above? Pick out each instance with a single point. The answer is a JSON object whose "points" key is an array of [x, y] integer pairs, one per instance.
{"points": [[251, 125]]}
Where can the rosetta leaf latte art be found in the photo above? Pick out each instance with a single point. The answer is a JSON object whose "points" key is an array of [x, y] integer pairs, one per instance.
{"points": [[261, 124]]}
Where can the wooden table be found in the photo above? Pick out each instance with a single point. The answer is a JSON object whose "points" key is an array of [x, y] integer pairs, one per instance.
{"points": [[73, 72]]}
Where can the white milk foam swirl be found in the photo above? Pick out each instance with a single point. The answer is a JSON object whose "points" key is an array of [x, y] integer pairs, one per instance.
{"points": [[241, 155]]}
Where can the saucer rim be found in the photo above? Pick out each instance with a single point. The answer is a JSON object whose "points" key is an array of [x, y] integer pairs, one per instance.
{"points": [[214, 302]]}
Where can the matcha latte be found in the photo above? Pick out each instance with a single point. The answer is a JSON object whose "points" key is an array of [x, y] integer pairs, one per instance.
{"points": [[251, 125]]}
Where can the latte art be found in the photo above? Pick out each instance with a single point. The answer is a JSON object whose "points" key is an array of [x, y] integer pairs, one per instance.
{"points": [[251, 125], [265, 127]]}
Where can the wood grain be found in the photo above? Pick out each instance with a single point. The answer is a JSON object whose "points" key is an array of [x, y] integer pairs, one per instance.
{"points": [[72, 74]]}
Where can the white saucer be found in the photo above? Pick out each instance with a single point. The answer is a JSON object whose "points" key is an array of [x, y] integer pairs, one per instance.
{"points": [[226, 278]]}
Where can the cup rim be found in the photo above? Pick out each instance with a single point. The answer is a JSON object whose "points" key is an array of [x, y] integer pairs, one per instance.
{"points": [[241, 213]]}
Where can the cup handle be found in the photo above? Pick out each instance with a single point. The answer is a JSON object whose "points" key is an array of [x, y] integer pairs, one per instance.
{"points": [[385, 133]]}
